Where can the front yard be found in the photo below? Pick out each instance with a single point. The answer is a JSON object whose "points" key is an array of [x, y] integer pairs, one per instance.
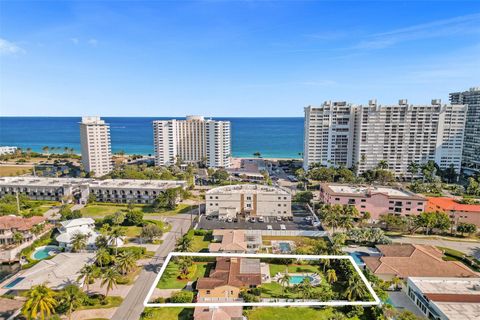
{"points": [[100, 210], [167, 314], [169, 279], [273, 313]]}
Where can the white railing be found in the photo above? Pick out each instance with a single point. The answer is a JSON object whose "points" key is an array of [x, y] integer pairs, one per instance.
{"points": [[289, 233]]}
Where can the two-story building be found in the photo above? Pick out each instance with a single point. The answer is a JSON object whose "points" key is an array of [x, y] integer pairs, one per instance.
{"points": [[377, 200]]}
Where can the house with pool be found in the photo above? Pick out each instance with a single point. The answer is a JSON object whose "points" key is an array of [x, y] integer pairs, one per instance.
{"points": [[69, 228]]}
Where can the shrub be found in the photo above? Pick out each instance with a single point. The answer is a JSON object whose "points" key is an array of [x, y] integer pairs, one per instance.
{"points": [[133, 218], [138, 252], [182, 297]]}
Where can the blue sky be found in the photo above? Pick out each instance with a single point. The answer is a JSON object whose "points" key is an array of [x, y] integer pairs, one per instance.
{"points": [[230, 58]]}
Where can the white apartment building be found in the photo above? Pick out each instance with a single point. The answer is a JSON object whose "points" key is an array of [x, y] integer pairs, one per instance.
{"points": [[248, 200], [192, 140], [471, 142], [109, 190], [404, 133], [95, 146], [328, 134], [364, 135], [7, 150]]}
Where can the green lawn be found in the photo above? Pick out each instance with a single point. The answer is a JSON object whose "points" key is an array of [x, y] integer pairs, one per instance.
{"points": [[132, 231], [169, 278], [167, 314], [275, 268], [112, 302], [100, 210], [200, 244], [288, 313]]}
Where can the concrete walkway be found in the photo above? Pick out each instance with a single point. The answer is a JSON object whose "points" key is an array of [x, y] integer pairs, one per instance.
{"points": [[469, 248], [132, 306]]}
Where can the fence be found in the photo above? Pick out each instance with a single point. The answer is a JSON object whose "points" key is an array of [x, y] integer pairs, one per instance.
{"points": [[289, 233]]}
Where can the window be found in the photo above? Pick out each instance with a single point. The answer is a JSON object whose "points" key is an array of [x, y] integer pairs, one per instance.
{"points": [[208, 291], [337, 199], [363, 200]]}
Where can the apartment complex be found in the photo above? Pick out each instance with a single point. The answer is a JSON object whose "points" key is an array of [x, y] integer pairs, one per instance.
{"points": [[248, 200], [192, 140], [364, 135], [110, 190], [446, 298], [95, 146], [374, 199], [458, 212], [471, 144], [328, 134]]}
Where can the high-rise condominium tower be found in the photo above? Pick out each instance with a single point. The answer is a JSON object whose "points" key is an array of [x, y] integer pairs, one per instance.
{"points": [[192, 140], [471, 142], [95, 144], [404, 133], [365, 135], [328, 134]]}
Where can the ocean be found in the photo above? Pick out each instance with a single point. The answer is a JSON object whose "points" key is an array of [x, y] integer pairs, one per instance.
{"points": [[272, 137]]}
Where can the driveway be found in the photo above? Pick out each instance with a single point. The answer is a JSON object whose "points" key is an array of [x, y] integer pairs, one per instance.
{"points": [[132, 306], [469, 248]]}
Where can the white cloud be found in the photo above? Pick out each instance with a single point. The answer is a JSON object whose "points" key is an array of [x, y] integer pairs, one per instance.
{"points": [[467, 24], [9, 48], [75, 41], [93, 42]]}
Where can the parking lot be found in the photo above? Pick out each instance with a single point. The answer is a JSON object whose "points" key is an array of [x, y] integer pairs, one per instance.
{"points": [[298, 222]]}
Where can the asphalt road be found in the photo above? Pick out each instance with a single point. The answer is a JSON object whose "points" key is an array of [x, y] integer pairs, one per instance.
{"points": [[132, 307]]}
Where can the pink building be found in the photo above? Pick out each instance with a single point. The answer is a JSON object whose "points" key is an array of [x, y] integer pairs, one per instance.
{"points": [[376, 200]]}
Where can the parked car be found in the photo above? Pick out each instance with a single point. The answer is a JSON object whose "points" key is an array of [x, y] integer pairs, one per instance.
{"points": [[282, 227], [229, 219], [261, 219], [290, 218], [269, 227], [279, 218], [308, 218], [235, 220], [252, 219], [284, 218]]}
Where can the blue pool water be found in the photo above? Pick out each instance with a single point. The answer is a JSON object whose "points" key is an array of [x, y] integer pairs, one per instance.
{"points": [[357, 256], [14, 282], [284, 247], [298, 279], [43, 253]]}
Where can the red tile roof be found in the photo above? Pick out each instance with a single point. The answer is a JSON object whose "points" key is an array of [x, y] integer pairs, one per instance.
{"points": [[19, 223], [227, 272], [449, 204], [409, 260]]}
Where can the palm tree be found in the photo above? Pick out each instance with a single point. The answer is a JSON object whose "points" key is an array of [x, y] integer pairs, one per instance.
{"points": [[65, 149], [116, 234], [40, 303], [355, 289], [79, 242], [110, 279], [184, 244], [382, 164], [88, 273], [284, 280], [396, 282], [102, 257], [257, 154], [331, 276], [72, 298], [413, 168], [184, 265], [71, 150], [46, 149], [17, 238], [326, 263], [125, 262], [305, 288]]}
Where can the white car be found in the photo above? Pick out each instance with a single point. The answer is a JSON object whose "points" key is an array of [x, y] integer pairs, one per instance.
{"points": [[308, 218], [282, 227], [269, 227], [229, 219], [279, 218], [261, 219]]}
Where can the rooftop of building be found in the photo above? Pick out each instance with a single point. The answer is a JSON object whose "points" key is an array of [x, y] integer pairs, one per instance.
{"points": [[232, 271], [232, 240], [92, 120], [77, 222], [56, 273], [19, 223], [218, 313], [108, 183], [449, 204], [253, 188], [412, 260], [447, 285], [359, 190]]}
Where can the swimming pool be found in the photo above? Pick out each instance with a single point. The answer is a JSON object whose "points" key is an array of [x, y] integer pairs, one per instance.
{"points": [[45, 252], [13, 283], [299, 279], [284, 247], [357, 257]]}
